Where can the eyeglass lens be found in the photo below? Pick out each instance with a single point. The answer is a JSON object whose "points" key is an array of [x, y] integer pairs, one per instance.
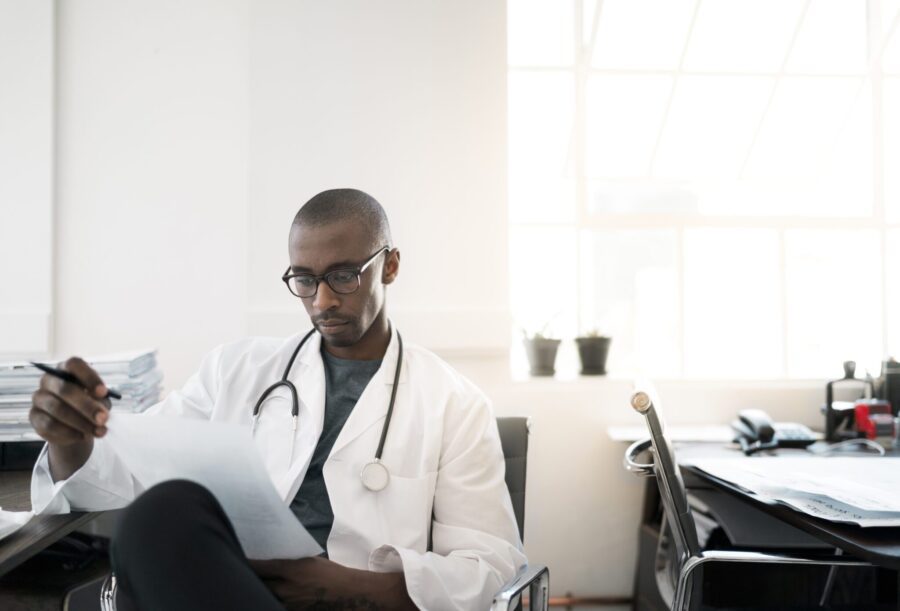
{"points": [[340, 281]]}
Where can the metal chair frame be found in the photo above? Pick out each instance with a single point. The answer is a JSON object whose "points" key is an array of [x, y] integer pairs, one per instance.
{"points": [[675, 581], [534, 578]]}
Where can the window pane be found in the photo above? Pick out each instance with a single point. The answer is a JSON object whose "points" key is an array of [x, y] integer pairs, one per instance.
{"points": [[833, 301], [624, 114], [809, 161], [587, 21], [629, 291], [641, 197], [891, 55], [742, 36], [893, 293], [819, 50], [892, 149], [800, 130], [540, 32], [889, 11], [642, 34], [732, 303], [542, 266], [710, 126], [541, 115]]}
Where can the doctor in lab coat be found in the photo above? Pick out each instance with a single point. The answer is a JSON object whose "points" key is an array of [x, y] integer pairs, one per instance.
{"points": [[441, 535]]}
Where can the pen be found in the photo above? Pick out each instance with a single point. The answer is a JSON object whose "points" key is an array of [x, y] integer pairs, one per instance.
{"points": [[68, 377]]}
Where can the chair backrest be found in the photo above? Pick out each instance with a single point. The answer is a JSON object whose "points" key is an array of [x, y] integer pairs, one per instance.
{"points": [[668, 475], [514, 439]]}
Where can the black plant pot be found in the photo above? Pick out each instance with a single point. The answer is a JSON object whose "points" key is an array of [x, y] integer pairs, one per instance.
{"points": [[541, 354], [593, 352]]}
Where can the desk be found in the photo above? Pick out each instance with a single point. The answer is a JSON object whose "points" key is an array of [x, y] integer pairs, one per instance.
{"points": [[40, 531], [880, 546]]}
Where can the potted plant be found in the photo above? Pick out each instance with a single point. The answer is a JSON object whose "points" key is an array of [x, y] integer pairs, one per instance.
{"points": [[541, 353], [593, 349]]}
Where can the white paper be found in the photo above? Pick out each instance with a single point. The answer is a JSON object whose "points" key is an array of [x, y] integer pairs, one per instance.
{"points": [[223, 458], [856, 490], [11, 521]]}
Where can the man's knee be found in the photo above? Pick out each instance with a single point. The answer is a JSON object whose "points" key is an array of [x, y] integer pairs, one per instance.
{"points": [[162, 516]]}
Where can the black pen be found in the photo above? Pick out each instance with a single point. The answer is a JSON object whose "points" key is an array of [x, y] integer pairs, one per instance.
{"points": [[68, 377]]}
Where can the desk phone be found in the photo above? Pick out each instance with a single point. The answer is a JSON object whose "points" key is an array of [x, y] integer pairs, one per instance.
{"points": [[755, 431]]}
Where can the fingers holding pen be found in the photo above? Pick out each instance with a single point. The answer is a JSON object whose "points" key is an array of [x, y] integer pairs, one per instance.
{"points": [[87, 376], [76, 399], [47, 404], [53, 430]]}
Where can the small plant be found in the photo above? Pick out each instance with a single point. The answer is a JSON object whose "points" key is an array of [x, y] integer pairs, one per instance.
{"points": [[593, 348], [540, 348], [543, 333], [592, 332]]}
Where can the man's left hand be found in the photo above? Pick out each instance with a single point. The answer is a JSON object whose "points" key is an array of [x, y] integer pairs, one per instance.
{"points": [[319, 583]]}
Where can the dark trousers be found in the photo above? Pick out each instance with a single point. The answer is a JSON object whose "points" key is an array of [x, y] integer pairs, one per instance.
{"points": [[175, 548]]}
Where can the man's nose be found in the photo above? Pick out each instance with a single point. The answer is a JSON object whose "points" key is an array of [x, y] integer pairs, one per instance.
{"points": [[325, 298]]}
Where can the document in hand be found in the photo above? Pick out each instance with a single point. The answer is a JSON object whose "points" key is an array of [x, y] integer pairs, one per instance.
{"points": [[11, 521], [857, 490], [223, 458]]}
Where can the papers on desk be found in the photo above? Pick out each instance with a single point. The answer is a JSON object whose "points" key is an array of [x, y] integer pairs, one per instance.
{"points": [[134, 374], [11, 521], [221, 457], [856, 490]]}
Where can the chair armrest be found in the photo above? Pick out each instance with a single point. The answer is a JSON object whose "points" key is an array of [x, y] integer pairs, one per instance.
{"points": [[634, 450], [764, 558], [108, 593], [534, 577]]}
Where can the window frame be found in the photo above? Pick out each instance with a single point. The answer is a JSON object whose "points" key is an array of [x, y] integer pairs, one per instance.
{"points": [[586, 221]]}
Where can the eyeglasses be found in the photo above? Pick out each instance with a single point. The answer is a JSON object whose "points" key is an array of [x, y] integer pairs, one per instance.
{"points": [[343, 281]]}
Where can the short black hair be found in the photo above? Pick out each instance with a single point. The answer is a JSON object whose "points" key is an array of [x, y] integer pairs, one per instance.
{"points": [[343, 204]]}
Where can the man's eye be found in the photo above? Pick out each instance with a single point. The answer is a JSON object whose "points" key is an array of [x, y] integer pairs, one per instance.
{"points": [[305, 281], [343, 277]]}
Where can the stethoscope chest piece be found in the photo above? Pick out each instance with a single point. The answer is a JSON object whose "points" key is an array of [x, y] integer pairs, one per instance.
{"points": [[375, 476]]}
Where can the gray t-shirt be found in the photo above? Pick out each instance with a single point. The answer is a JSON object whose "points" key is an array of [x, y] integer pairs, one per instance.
{"points": [[345, 381]]}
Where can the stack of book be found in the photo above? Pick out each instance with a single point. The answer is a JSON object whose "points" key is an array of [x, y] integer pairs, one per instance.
{"points": [[135, 375]]}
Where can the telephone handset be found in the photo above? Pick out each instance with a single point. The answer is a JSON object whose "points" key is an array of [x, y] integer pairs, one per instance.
{"points": [[755, 431]]}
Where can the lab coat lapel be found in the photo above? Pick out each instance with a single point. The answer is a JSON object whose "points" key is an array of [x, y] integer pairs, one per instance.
{"points": [[372, 405]]}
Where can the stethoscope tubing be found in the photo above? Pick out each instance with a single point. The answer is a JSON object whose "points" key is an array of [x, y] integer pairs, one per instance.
{"points": [[295, 403]]}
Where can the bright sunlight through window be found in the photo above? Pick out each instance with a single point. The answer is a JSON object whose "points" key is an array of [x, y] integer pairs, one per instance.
{"points": [[713, 183]]}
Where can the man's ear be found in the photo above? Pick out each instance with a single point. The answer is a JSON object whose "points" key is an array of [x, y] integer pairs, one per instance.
{"points": [[391, 267]]}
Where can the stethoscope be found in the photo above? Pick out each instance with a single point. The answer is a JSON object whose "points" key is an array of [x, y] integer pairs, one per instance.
{"points": [[374, 475]]}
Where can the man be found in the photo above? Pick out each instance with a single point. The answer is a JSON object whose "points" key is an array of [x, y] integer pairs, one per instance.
{"points": [[440, 535]]}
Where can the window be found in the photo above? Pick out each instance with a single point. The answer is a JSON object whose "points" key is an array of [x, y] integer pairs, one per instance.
{"points": [[714, 183]]}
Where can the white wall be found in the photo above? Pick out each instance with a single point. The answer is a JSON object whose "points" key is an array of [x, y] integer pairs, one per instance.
{"points": [[189, 134], [406, 100], [152, 177], [26, 175]]}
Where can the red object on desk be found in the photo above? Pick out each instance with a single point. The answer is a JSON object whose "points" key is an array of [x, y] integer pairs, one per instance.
{"points": [[874, 418]]}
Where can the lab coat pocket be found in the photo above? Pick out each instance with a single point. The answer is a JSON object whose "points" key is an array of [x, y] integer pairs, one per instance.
{"points": [[405, 510]]}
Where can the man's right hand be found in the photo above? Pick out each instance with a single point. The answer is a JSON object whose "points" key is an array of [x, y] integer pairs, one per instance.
{"points": [[69, 417]]}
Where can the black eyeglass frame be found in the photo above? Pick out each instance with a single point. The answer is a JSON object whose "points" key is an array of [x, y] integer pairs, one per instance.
{"points": [[358, 271]]}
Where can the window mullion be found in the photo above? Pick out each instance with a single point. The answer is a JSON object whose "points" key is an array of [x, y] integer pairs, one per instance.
{"points": [[579, 129], [875, 49]]}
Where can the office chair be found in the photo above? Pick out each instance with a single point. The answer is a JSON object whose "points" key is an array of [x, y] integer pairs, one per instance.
{"points": [[514, 439], [676, 564], [535, 578]]}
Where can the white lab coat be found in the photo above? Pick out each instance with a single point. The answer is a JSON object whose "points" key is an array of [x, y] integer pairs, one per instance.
{"points": [[442, 450]]}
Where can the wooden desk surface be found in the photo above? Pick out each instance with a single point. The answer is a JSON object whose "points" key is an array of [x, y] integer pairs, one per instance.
{"points": [[880, 546], [40, 531]]}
